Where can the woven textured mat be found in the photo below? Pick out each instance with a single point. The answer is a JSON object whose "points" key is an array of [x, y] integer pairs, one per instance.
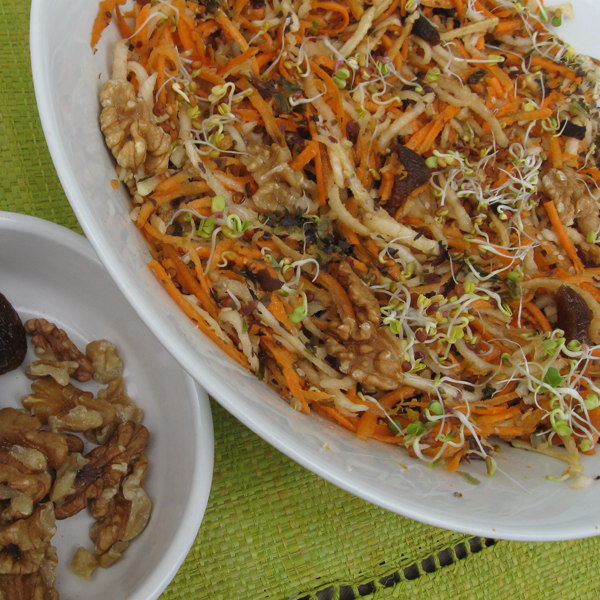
{"points": [[273, 529], [29, 183]]}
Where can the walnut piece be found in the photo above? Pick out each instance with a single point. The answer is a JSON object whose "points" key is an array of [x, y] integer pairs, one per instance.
{"points": [[64, 484], [105, 360], [19, 505], [21, 429], [572, 199], [24, 455], [23, 543], [365, 304], [74, 442], [121, 516], [374, 363], [125, 410], [54, 344], [60, 371], [84, 563], [106, 467], [35, 485], [33, 586], [67, 408], [278, 184], [126, 122], [27, 460], [365, 352]]}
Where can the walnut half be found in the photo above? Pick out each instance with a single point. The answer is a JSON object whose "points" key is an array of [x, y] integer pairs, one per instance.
{"points": [[36, 586], [54, 344], [364, 350], [572, 199], [105, 360], [126, 122], [66, 408], [125, 410], [17, 487], [107, 465], [121, 515], [27, 560], [23, 543], [22, 429], [60, 371], [278, 184], [25, 453]]}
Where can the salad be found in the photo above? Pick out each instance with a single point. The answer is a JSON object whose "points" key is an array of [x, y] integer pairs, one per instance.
{"points": [[387, 211]]}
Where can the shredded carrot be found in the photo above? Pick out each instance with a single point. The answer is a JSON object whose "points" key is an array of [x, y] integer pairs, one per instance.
{"points": [[539, 316], [453, 463], [591, 289], [553, 67], [286, 361], [238, 7], [392, 8], [398, 395], [261, 106], [333, 90], [556, 153], [140, 30], [335, 288], [417, 138], [483, 10], [335, 7], [193, 315], [124, 28], [532, 115], [507, 26], [366, 426], [328, 411], [104, 18], [565, 240], [189, 282], [310, 151], [449, 113], [276, 307], [231, 31], [387, 185], [235, 63]]}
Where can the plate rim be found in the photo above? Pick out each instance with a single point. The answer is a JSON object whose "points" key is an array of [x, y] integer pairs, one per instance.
{"points": [[200, 412]]}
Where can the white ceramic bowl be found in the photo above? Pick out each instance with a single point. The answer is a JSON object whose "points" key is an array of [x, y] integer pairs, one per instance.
{"points": [[51, 272], [520, 506]]}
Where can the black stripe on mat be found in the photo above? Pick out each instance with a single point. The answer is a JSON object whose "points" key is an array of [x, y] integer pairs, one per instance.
{"points": [[429, 565]]}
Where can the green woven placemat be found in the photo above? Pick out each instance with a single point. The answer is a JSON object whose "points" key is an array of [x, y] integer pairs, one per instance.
{"points": [[273, 529]]}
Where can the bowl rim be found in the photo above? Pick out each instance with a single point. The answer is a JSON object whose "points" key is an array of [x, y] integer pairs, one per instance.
{"points": [[200, 412], [343, 480]]}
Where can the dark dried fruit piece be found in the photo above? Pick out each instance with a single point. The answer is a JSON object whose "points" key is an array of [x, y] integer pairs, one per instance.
{"points": [[424, 29], [574, 315], [268, 283], [569, 129], [476, 77], [13, 340], [414, 174]]}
